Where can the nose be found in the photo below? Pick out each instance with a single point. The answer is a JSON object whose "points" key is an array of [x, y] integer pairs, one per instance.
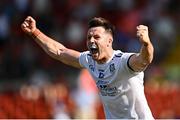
{"points": [[92, 40]]}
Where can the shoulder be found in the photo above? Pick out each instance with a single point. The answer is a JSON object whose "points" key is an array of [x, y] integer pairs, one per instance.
{"points": [[118, 53], [124, 58], [85, 55], [122, 55], [85, 58]]}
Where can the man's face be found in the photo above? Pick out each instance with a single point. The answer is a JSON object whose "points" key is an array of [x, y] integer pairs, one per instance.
{"points": [[98, 42]]}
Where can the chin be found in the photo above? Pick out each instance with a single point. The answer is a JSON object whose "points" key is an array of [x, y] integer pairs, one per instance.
{"points": [[95, 57]]}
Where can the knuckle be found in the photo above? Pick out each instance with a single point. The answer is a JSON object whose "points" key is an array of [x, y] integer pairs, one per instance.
{"points": [[145, 26], [141, 26]]}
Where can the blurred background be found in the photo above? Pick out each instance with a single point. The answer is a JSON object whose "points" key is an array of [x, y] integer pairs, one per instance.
{"points": [[33, 85]]}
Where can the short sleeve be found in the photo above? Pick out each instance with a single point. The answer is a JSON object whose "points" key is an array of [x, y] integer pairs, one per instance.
{"points": [[125, 62], [83, 59]]}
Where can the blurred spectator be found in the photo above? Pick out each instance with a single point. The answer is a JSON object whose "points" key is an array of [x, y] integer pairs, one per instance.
{"points": [[87, 96], [37, 82], [75, 33], [30, 92], [58, 96], [22, 5], [86, 9], [4, 27], [165, 33], [125, 5], [40, 7]]}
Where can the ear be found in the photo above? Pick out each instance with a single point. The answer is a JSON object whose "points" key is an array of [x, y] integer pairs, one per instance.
{"points": [[110, 40]]}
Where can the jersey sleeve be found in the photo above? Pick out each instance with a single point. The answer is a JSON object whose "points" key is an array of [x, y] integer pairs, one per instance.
{"points": [[83, 59], [125, 62]]}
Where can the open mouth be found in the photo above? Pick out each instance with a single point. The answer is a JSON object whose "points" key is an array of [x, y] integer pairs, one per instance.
{"points": [[93, 48]]}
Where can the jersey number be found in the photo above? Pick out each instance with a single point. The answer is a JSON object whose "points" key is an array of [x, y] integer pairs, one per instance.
{"points": [[101, 75]]}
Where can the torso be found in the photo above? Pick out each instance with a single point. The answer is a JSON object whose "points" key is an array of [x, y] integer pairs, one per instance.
{"points": [[117, 85]]}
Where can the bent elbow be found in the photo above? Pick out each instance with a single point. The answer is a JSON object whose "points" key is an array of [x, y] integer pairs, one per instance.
{"points": [[149, 61], [145, 64], [59, 51], [55, 52]]}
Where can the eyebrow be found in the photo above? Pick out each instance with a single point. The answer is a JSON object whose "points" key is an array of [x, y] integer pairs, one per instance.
{"points": [[88, 35]]}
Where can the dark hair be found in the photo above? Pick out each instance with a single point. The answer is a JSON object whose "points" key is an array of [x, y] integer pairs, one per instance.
{"points": [[99, 21]]}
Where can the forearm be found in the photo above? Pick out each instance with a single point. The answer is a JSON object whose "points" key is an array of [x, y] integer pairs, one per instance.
{"points": [[140, 61], [56, 49], [146, 53], [50, 46]]}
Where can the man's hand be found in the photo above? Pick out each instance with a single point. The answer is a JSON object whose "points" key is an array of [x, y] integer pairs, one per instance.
{"points": [[142, 34], [29, 25]]}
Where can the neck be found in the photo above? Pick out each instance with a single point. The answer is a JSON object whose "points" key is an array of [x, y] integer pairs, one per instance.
{"points": [[108, 55]]}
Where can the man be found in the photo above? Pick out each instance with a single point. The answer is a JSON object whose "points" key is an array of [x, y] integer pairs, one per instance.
{"points": [[118, 75]]}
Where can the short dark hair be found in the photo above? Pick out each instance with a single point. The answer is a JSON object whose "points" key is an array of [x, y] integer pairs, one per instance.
{"points": [[101, 22]]}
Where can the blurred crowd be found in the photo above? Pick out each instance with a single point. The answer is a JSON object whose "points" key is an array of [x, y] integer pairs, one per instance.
{"points": [[28, 72]]}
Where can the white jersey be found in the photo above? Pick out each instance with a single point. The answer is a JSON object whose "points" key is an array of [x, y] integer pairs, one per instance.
{"points": [[121, 89]]}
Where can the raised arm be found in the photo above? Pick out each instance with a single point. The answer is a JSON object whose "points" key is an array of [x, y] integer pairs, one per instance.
{"points": [[50, 46], [139, 61]]}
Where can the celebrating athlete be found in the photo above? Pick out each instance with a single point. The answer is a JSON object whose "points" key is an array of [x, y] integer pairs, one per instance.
{"points": [[118, 75]]}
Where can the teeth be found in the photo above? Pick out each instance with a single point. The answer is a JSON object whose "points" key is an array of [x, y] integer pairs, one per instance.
{"points": [[93, 48]]}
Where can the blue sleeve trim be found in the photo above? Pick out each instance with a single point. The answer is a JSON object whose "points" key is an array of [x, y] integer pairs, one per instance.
{"points": [[129, 64]]}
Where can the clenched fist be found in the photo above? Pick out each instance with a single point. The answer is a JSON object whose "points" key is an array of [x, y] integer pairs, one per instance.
{"points": [[142, 34], [29, 25]]}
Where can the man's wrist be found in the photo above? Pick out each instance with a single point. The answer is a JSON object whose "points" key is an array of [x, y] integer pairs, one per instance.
{"points": [[146, 43], [35, 33]]}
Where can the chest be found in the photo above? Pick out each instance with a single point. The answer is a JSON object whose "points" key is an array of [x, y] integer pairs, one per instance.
{"points": [[105, 71], [109, 78]]}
